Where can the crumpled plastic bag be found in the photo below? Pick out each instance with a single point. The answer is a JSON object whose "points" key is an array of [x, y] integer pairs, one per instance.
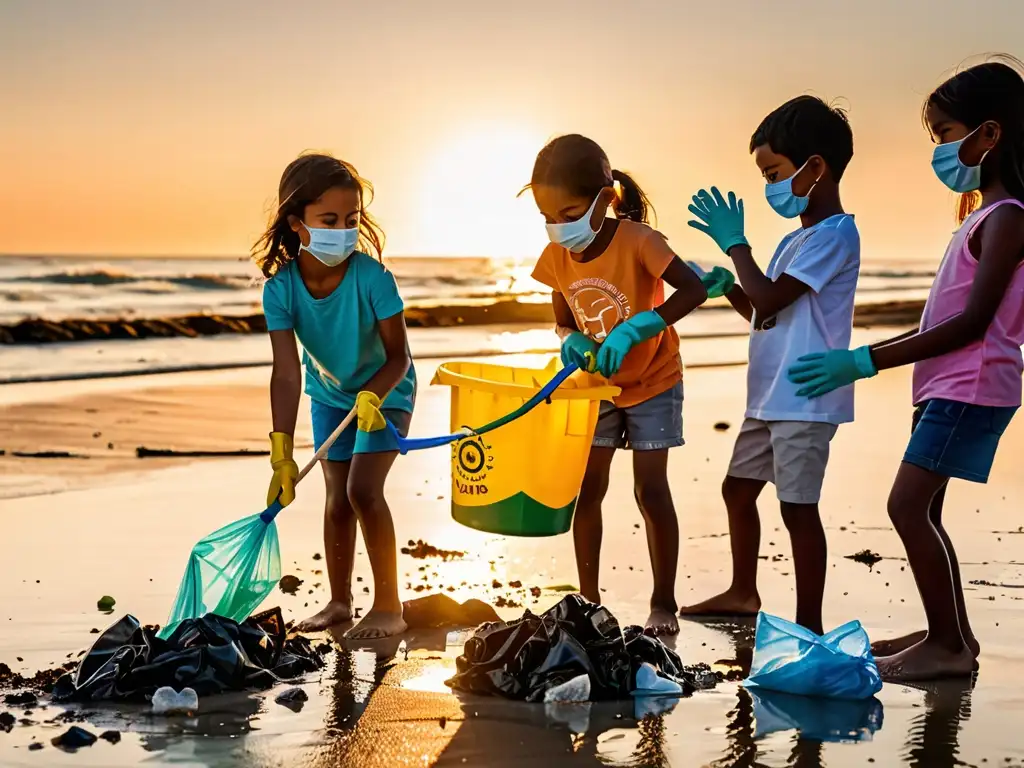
{"points": [[792, 659], [522, 659], [210, 654], [816, 719]]}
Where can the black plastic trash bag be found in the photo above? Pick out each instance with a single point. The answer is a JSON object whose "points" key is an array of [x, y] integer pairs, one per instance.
{"points": [[211, 654], [523, 659]]}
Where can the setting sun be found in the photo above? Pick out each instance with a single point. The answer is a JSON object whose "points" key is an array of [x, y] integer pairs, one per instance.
{"points": [[469, 205]]}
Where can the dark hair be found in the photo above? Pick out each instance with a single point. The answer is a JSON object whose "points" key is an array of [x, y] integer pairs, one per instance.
{"points": [[303, 182], [991, 91], [579, 165], [807, 126]]}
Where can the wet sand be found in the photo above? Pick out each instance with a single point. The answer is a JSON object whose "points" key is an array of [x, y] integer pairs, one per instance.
{"points": [[76, 529]]}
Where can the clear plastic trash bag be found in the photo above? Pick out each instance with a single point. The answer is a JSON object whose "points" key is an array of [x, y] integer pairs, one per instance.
{"points": [[792, 659], [229, 573]]}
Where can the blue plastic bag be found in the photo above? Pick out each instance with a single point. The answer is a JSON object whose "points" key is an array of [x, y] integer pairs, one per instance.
{"points": [[816, 719], [792, 659]]}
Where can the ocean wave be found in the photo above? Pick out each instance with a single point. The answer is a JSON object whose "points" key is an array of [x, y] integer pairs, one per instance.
{"points": [[104, 277]]}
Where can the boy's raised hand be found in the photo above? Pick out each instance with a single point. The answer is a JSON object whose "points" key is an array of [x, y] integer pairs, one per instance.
{"points": [[719, 219]]}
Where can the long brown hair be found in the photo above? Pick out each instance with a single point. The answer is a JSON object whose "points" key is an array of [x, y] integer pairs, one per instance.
{"points": [[579, 165], [303, 182]]}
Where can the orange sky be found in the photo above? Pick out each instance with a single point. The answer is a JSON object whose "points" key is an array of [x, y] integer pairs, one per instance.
{"points": [[162, 128]]}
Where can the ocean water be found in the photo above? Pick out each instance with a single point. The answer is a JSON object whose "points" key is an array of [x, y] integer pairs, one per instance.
{"points": [[62, 288]]}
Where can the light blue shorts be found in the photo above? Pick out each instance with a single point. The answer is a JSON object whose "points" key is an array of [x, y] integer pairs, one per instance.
{"points": [[326, 419], [652, 425]]}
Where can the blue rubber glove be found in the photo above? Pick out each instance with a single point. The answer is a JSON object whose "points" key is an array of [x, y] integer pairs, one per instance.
{"points": [[721, 220], [580, 350], [822, 372], [718, 282], [624, 337]]}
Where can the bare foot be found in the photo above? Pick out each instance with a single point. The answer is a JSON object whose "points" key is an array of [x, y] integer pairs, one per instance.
{"points": [[926, 661], [335, 612], [377, 624], [891, 647], [661, 622], [728, 603]]}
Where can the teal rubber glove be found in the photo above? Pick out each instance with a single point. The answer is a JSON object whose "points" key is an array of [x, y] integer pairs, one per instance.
{"points": [[822, 372], [718, 282], [624, 337], [719, 219], [580, 350]]}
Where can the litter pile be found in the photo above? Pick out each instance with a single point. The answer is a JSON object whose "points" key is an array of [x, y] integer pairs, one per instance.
{"points": [[211, 654], [524, 659]]}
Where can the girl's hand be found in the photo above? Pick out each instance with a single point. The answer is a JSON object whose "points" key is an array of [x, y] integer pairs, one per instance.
{"points": [[286, 471], [368, 414], [580, 350], [822, 372], [624, 337]]}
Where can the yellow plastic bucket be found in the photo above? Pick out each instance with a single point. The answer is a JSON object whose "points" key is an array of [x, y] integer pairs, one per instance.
{"points": [[522, 479]]}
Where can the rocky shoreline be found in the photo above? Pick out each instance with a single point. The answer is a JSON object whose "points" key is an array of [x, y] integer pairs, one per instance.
{"points": [[40, 331]]}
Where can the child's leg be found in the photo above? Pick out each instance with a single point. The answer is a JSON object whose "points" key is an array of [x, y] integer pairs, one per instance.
{"points": [[898, 644], [949, 439], [366, 493], [650, 478], [652, 427], [810, 553], [750, 469], [942, 652], [340, 549], [800, 450], [587, 527]]}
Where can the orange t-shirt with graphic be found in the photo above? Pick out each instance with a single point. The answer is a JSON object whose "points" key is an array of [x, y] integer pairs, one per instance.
{"points": [[623, 281]]}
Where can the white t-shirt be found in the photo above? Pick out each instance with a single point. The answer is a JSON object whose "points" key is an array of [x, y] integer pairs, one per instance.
{"points": [[825, 257]]}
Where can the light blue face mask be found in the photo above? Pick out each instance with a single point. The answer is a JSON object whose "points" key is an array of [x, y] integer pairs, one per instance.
{"points": [[574, 235], [952, 171], [331, 246], [782, 200]]}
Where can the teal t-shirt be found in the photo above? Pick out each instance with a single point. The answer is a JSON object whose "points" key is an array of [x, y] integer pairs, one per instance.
{"points": [[342, 348]]}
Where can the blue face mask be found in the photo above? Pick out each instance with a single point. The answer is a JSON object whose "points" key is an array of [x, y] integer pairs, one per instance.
{"points": [[574, 235], [952, 171], [782, 200], [331, 246]]}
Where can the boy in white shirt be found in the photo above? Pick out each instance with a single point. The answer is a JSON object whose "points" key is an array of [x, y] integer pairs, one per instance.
{"points": [[802, 303]]}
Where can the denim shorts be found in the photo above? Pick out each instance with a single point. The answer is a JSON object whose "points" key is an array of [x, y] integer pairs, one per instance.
{"points": [[957, 439], [326, 419], [652, 425]]}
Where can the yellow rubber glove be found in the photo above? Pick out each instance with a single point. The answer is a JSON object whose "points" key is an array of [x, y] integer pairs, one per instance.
{"points": [[286, 471], [368, 414]]}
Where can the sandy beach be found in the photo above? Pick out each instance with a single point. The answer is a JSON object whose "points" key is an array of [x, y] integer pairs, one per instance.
{"points": [[102, 521]]}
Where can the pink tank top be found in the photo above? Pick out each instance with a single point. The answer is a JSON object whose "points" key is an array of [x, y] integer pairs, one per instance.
{"points": [[987, 372]]}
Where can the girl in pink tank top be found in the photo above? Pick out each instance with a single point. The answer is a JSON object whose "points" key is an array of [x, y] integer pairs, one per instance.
{"points": [[966, 354]]}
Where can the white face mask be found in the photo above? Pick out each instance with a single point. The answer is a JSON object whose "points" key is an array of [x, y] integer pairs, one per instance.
{"points": [[331, 246], [574, 235]]}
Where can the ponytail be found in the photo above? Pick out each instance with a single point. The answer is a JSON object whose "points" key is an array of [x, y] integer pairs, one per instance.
{"points": [[632, 202], [579, 165]]}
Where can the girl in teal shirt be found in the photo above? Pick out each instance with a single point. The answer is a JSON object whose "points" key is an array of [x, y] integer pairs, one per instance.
{"points": [[325, 289]]}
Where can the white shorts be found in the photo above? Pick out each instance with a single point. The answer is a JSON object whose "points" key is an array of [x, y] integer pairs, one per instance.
{"points": [[791, 454]]}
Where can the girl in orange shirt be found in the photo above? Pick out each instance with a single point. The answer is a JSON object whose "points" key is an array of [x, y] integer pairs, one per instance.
{"points": [[607, 277]]}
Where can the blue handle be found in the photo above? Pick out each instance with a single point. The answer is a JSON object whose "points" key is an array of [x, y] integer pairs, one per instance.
{"points": [[406, 444], [268, 515]]}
